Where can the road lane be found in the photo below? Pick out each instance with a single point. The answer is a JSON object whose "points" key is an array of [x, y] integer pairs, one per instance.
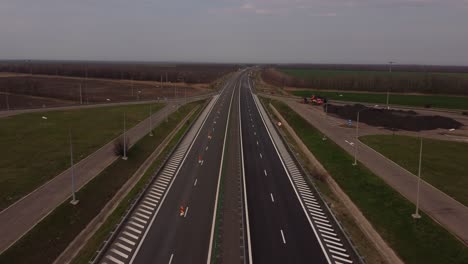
{"points": [[280, 232]]}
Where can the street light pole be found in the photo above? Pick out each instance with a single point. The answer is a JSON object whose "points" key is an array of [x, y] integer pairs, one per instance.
{"points": [[124, 141], [150, 122], [357, 136], [416, 215], [388, 89], [74, 201], [326, 119]]}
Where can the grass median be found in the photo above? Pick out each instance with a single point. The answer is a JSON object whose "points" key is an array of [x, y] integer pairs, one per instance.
{"points": [[415, 241], [45, 242], [36, 149], [436, 101], [443, 164]]}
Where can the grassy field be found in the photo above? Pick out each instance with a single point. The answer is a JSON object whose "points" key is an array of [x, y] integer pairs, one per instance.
{"points": [[421, 241], [436, 101], [444, 163], [315, 73], [34, 149], [51, 236]]}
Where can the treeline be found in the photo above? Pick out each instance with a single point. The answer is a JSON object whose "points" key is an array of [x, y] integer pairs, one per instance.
{"points": [[425, 82], [189, 73]]}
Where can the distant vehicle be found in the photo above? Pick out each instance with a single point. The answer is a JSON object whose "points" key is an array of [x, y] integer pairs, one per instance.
{"points": [[318, 100]]}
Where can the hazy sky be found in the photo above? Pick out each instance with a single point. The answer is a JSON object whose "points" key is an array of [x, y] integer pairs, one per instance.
{"points": [[272, 31]]}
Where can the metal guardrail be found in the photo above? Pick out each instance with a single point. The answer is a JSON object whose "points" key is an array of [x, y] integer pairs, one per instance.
{"points": [[105, 245], [299, 161]]}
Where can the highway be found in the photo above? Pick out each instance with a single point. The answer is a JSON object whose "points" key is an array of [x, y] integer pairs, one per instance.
{"points": [[285, 220], [282, 230], [171, 238]]}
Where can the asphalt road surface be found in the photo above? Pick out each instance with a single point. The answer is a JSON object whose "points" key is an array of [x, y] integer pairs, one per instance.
{"points": [[280, 232], [175, 239], [279, 228]]}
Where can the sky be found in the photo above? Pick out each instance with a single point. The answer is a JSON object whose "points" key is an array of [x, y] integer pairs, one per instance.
{"points": [[254, 31]]}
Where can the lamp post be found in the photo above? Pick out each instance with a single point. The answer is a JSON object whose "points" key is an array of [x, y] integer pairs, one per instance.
{"points": [[388, 89], [124, 142], [74, 201], [357, 136], [416, 215], [150, 122], [326, 119]]}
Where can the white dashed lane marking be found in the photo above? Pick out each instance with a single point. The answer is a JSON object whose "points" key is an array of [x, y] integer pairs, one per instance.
{"points": [[282, 235]]}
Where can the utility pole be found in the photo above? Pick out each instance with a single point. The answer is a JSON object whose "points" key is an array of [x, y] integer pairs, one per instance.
{"points": [[124, 141], [416, 215], [150, 122], [74, 201], [388, 89], [81, 95]]}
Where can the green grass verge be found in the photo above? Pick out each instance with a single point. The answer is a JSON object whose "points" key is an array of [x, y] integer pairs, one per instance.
{"points": [[443, 164], [436, 101], [415, 241], [91, 247], [35, 150], [45, 242]]}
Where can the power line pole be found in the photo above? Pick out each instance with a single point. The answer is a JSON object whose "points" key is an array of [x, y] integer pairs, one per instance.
{"points": [[416, 215], [74, 201]]}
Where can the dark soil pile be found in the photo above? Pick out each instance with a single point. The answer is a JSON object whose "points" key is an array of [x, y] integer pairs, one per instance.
{"points": [[393, 119]]}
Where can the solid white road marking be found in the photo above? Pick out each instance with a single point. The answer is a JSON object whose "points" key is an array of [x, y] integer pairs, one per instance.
{"points": [[337, 248], [123, 247], [114, 259], [195, 183], [339, 253], [282, 235], [130, 235], [170, 260], [133, 229], [272, 199], [150, 203], [119, 253], [333, 242], [142, 215], [136, 224], [127, 241], [342, 259]]}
